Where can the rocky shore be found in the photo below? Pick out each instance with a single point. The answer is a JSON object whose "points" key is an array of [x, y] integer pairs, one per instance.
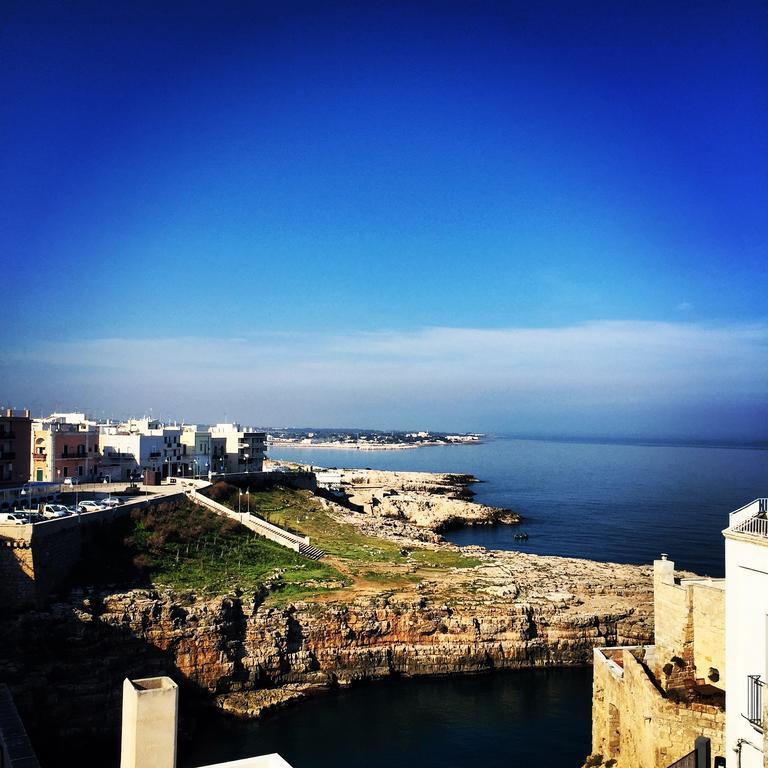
{"points": [[433, 501], [509, 611], [428, 608]]}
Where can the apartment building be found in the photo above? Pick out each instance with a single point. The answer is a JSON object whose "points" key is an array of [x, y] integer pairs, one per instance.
{"points": [[15, 446]]}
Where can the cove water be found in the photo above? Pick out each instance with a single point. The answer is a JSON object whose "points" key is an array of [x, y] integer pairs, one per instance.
{"points": [[520, 718], [622, 502]]}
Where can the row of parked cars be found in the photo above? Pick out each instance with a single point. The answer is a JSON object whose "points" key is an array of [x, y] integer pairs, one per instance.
{"points": [[53, 511]]}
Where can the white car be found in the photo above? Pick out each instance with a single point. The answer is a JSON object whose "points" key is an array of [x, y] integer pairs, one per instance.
{"points": [[70, 481], [12, 518], [110, 502], [55, 510], [90, 506]]}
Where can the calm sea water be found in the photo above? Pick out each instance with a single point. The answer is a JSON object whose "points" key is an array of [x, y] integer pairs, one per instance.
{"points": [[618, 502], [526, 717]]}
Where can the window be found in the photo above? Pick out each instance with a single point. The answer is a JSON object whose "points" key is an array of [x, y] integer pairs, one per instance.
{"points": [[66, 471]]}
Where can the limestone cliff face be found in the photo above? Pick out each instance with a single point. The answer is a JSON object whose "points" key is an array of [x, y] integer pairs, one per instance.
{"points": [[66, 665]]}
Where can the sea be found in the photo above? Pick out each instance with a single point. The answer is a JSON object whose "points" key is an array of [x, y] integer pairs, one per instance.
{"points": [[624, 501]]}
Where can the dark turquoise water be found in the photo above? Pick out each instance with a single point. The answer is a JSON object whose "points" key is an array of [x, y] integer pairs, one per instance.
{"points": [[620, 502], [522, 718]]}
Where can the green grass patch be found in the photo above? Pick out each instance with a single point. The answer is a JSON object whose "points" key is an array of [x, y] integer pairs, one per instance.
{"points": [[184, 546], [300, 512]]}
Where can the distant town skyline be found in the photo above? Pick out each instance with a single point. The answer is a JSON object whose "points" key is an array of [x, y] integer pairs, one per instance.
{"points": [[498, 217]]}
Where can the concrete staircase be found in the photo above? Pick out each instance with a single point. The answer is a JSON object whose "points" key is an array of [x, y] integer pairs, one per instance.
{"points": [[269, 531]]}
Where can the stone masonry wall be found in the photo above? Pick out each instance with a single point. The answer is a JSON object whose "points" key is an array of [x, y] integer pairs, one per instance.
{"points": [[34, 559], [709, 632], [634, 724]]}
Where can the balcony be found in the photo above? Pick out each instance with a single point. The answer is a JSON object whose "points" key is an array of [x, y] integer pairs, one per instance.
{"points": [[754, 711], [751, 519]]}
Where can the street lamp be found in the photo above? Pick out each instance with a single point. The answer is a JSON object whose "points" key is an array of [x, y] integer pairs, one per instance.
{"points": [[26, 493], [239, 497], [246, 457]]}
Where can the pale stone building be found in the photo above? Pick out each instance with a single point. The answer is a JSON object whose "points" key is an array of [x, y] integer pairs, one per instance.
{"points": [[704, 676]]}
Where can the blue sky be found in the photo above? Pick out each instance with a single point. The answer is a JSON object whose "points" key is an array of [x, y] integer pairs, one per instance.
{"points": [[291, 183]]}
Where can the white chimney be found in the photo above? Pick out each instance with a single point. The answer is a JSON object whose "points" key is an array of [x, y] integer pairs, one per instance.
{"points": [[150, 708]]}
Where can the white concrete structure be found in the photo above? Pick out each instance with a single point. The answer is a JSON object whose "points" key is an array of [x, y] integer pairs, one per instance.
{"points": [[746, 633], [150, 715], [150, 711], [126, 453]]}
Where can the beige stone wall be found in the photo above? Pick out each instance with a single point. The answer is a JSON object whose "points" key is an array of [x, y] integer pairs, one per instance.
{"points": [[709, 631], [689, 621], [673, 626], [638, 727]]}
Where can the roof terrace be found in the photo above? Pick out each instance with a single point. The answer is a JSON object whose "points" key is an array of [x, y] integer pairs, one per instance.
{"points": [[751, 519]]}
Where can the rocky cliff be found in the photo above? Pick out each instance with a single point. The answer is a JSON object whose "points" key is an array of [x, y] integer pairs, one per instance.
{"points": [[429, 500], [66, 664], [406, 603]]}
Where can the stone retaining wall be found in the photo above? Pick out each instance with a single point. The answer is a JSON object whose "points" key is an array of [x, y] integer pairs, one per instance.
{"points": [[35, 558]]}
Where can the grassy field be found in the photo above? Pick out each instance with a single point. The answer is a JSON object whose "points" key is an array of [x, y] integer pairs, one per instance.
{"points": [[361, 558], [186, 547]]}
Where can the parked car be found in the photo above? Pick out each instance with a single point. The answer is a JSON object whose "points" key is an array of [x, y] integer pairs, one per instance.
{"points": [[90, 506], [13, 517], [55, 510], [70, 481], [111, 501]]}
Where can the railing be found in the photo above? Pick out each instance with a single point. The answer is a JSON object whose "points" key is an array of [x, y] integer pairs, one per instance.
{"points": [[686, 761], [757, 525], [754, 711], [756, 508], [272, 532]]}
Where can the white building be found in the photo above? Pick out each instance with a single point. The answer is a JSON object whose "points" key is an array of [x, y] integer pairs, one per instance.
{"points": [[244, 449], [746, 633], [197, 444]]}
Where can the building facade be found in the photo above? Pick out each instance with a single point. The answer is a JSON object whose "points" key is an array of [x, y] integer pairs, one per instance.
{"points": [[15, 447], [746, 633]]}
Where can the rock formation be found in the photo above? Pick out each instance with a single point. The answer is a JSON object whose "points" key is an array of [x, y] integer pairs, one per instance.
{"points": [[432, 501]]}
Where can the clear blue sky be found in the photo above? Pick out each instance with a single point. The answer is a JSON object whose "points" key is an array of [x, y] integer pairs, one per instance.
{"points": [[308, 176]]}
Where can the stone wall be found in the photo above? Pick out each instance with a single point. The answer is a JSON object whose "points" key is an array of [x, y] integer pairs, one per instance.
{"points": [[635, 724], [689, 627], [709, 632], [35, 559]]}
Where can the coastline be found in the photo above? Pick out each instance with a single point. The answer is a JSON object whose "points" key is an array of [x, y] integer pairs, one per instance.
{"points": [[368, 446], [410, 604]]}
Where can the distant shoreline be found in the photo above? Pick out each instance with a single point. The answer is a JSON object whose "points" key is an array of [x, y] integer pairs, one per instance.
{"points": [[366, 446]]}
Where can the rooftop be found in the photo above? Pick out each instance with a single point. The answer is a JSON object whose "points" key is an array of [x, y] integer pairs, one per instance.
{"points": [[751, 520]]}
